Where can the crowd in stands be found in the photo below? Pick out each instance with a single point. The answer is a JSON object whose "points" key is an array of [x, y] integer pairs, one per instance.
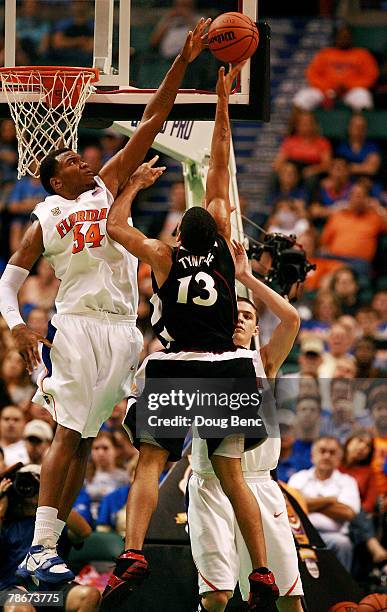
{"points": [[332, 392]]}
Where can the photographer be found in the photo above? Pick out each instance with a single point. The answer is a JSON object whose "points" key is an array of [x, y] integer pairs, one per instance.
{"points": [[19, 489]]}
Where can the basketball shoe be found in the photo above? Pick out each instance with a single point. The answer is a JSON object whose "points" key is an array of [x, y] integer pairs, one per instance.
{"points": [[263, 591], [44, 563], [131, 570]]}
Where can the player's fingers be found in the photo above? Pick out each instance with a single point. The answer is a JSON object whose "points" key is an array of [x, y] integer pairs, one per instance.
{"points": [[153, 161], [44, 341], [221, 71], [36, 356], [27, 355], [236, 70]]}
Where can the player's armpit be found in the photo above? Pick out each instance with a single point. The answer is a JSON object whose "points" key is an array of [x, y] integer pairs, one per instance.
{"points": [[31, 247]]}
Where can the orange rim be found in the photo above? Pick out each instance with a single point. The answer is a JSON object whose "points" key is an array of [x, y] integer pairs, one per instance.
{"points": [[48, 71]]}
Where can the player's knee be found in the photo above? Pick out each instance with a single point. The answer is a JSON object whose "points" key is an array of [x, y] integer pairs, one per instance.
{"points": [[83, 598], [66, 439], [18, 608], [290, 604], [216, 601]]}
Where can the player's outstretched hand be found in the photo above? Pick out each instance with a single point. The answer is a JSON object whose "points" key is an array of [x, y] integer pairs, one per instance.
{"points": [[26, 341], [242, 266], [196, 41], [226, 80], [146, 174]]}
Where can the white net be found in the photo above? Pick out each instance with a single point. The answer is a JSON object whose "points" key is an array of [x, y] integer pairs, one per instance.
{"points": [[46, 104]]}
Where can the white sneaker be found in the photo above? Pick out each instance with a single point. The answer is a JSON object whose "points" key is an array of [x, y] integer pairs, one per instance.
{"points": [[45, 564]]}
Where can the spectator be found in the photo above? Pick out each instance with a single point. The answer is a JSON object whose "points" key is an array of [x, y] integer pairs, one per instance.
{"points": [[332, 190], [379, 303], [349, 323], [37, 437], [175, 213], [345, 287], [362, 154], [367, 319], [307, 426], [359, 224], [16, 377], [290, 460], [343, 422], [26, 194], [309, 360], [332, 498], [92, 155], [339, 343], [357, 457], [171, 31], [365, 354], [289, 187], [73, 40], [289, 217], [325, 311], [345, 367], [35, 411], [111, 142], [324, 267], [377, 401], [39, 290], [103, 475], [12, 424], [37, 320], [342, 71], [306, 148], [33, 31]]}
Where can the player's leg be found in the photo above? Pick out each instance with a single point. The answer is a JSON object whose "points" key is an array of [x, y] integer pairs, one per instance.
{"points": [[289, 604], [82, 599], [75, 478], [215, 601], [131, 567]]}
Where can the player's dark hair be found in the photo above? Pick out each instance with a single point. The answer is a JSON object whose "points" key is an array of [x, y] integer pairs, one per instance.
{"points": [[243, 299], [198, 230], [49, 167]]}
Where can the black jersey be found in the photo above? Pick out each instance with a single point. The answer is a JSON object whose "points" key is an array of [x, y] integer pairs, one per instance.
{"points": [[196, 307]]}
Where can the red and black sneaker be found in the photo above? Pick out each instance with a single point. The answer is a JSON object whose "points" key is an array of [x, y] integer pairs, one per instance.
{"points": [[131, 570], [263, 591]]}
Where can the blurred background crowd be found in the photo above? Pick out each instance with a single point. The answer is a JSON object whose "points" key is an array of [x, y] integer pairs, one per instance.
{"points": [[317, 171]]}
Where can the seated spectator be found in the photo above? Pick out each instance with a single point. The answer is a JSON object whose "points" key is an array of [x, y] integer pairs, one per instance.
{"points": [[33, 31], [174, 215], [311, 152], [345, 287], [362, 154], [339, 343], [306, 426], [37, 436], [343, 72], [290, 461], [82, 505], [345, 367], [289, 187], [12, 423], [324, 267], [357, 457], [332, 498], [309, 360], [367, 319], [325, 311], [343, 422], [379, 303], [40, 289], [365, 355], [332, 190], [377, 403], [349, 323], [35, 411], [171, 31], [103, 475], [112, 509], [92, 155], [289, 217], [15, 376], [26, 194], [359, 224], [73, 38]]}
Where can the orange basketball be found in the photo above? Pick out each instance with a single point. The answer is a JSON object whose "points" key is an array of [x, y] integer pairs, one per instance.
{"points": [[233, 37], [344, 606], [373, 603]]}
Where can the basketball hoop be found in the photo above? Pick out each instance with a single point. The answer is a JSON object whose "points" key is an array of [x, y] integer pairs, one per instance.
{"points": [[46, 104]]}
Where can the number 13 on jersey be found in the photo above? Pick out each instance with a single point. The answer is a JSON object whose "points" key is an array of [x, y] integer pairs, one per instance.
{"points": [[206, 283]]}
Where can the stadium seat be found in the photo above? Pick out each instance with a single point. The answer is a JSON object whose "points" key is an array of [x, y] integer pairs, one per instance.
{"points": [[98, 547], [373, 38], [334, 123]]}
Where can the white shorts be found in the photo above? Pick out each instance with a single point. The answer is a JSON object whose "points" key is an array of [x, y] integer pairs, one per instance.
{"points": [[89, 369], [218, 548]]}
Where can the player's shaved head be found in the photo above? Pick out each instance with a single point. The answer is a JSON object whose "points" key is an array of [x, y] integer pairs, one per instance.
{"points": [[198, 230]]}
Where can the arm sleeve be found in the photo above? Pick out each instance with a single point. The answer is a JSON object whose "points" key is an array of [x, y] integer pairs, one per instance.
{"points": [[10, 283]]}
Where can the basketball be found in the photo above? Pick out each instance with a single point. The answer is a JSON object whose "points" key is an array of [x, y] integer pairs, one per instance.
{"points": [[233, 37], [344, 606], [373, 603]]}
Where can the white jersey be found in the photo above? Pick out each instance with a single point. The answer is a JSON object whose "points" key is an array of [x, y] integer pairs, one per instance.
{"points": [[96, 273], [264, 457]]}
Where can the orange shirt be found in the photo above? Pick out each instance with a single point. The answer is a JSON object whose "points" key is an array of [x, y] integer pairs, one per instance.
{"points": [[332, 68], [324, 267], [380, 454], [307, 151], [347, 234]]}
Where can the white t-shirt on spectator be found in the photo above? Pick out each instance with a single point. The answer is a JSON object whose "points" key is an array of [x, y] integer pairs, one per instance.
{"points": [[341, 486], [16, 452]]}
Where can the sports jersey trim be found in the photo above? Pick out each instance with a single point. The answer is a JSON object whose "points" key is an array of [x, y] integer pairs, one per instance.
{"points": [[239, 353]]}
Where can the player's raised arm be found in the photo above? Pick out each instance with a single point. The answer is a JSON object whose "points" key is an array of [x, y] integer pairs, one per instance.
{"points": [[117, 170], [282, 339], [218, 179], [154, 252]]}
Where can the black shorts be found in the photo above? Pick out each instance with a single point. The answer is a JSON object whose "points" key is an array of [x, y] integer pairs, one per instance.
{"points": [[232, 372]]}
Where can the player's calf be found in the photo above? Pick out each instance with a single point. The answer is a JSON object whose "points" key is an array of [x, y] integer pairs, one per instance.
{"points": [[214, 601]]}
